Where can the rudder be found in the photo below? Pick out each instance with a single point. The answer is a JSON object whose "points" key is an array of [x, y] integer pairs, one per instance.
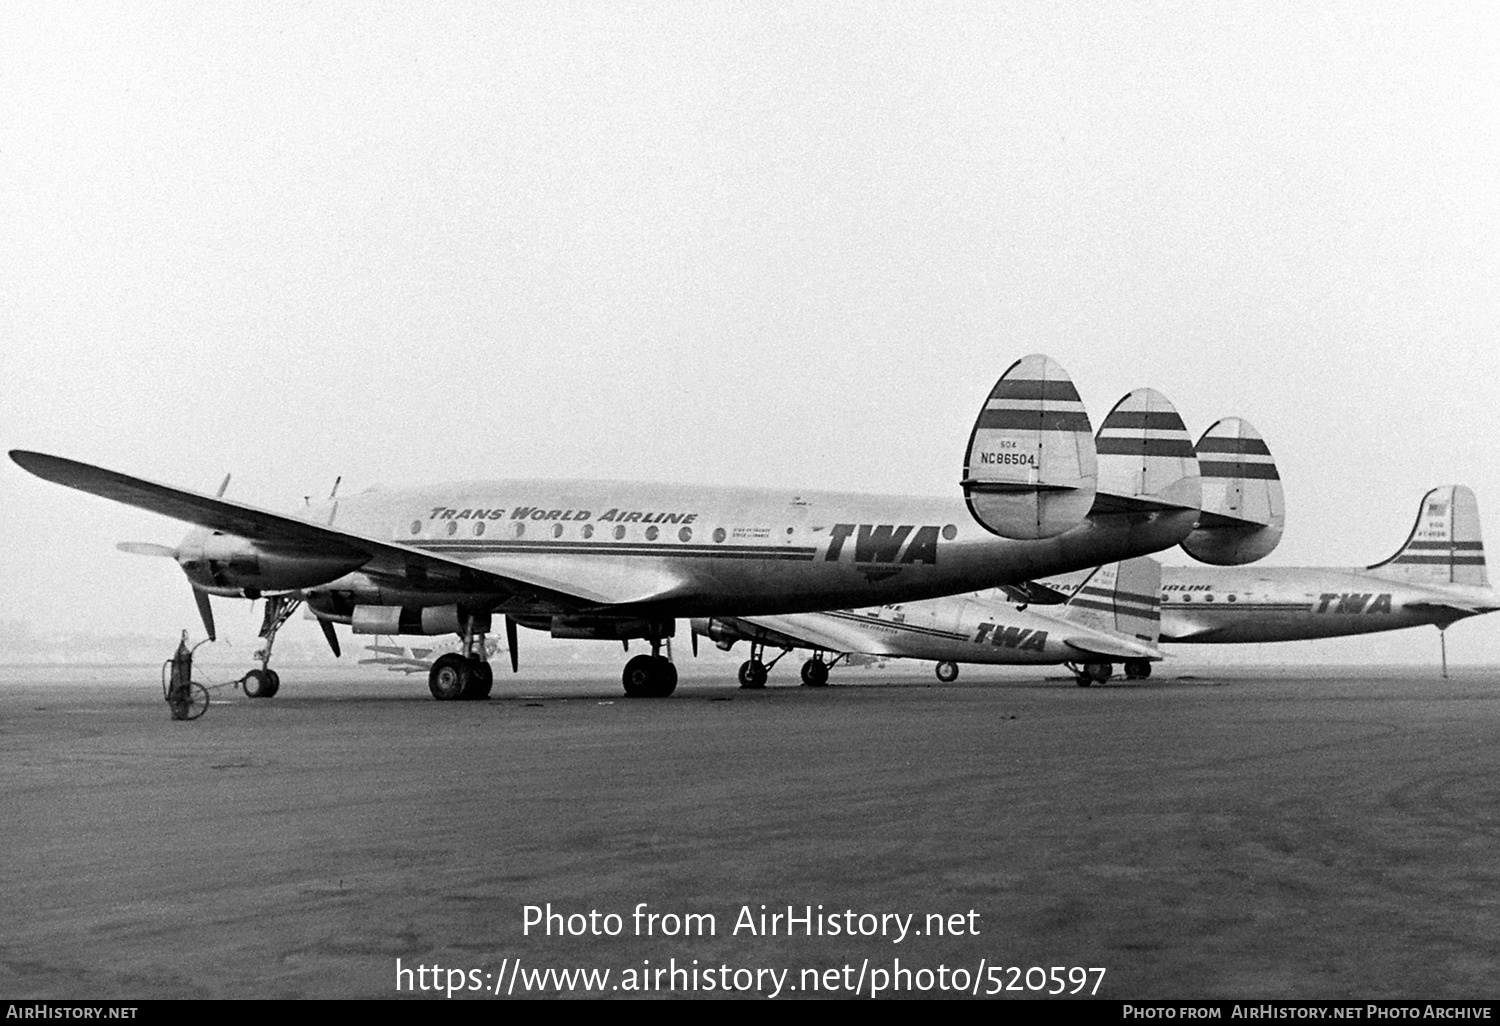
{"points": [[1444, 546], [1244, 511], [1031, 465]]}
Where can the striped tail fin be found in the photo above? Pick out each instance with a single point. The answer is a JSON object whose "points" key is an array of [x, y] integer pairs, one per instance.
{"points": [[1123, 597], [1146, 457], [1243, 509], [1444, 546], [1031, 465]]}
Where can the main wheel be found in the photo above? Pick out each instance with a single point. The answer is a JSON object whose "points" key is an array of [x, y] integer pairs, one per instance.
{"points": [[260, 683], [815, 673], [666, 677], [639, 676], [449, 677], [1138, 669], [752, 674], [947, 672], [1099, 672], [481, 680]]}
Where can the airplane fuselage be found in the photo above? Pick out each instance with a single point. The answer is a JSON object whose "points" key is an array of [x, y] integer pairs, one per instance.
{"points": [[1212, 605], [700, 550]]}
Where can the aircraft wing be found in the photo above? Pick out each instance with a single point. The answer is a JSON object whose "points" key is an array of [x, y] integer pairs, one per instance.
{"points": [[1099, 645], [818, 630], [391, 562]]}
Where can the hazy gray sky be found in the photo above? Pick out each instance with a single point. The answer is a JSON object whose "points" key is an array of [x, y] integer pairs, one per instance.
{"points": [[760, 243]]}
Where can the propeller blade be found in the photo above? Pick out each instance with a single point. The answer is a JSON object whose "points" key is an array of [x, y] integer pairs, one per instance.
{"points": [[510, 643], [206, 611], [694, 635], [333, 639], [147, 549]]}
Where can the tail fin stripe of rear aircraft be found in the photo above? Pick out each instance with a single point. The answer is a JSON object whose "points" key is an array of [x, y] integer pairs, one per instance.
{"points": [[1177, 448], [1240, 446], [1137, 607], [1477, 546], [1035, 389], [1441, 560], [1040, 420], [1264, 471]]}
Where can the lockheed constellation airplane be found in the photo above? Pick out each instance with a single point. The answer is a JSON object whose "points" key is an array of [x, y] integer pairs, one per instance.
{"points": [[1110, 616], [618, 560]]}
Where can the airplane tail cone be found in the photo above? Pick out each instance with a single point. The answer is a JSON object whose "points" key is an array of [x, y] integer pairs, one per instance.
{"points": [[1031, 465], [1243, 509]]}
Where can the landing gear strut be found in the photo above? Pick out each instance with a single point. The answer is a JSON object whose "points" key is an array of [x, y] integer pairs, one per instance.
{"points": [[265, 682], [651, 676], [465, 675], [753, 671]]}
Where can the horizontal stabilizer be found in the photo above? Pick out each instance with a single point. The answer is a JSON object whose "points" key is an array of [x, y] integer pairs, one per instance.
{"points": [[1147, 463], [1243, 509], [1444, 546], [1031, 466]]}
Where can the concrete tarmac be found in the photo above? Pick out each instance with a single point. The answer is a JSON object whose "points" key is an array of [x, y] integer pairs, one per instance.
{"points": [[1245, 833]]}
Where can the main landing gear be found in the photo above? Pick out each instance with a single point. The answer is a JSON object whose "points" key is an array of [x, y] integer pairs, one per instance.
{"points": [[265, 682], [1137, 669], [463, 676], [1090, 673], [753, 671], [947, 672], [651, 676]]}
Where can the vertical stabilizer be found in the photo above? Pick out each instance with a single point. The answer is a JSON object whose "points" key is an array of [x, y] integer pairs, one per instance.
{"points": [[1444, 546], [1146, 457], [1123, 597], [1031, 465], [1243, 509]]}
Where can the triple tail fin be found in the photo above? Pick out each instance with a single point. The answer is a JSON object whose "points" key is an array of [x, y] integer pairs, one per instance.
{"points": [[1146, 458], [1244, 512], [1031, 465], [1444, 546], [1123, 597]]}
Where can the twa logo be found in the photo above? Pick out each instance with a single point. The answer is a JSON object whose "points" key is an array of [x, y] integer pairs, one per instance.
{"points": [[1010, 637], [884, 543], [1352, 604]]}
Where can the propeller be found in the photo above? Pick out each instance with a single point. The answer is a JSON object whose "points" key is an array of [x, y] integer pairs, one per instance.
{"points": [[510, 642], [205, 611]]}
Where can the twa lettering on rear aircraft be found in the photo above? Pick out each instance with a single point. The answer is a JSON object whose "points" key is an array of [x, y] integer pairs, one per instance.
{"points": [[883, 543], [1351, 604], [1010, 637]]}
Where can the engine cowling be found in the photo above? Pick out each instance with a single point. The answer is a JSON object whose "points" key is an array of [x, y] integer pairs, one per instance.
{"points": [[228, 564], [426, 620]]}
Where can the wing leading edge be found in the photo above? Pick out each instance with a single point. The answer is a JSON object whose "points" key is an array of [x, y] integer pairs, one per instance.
{"points": [[390, 561]]}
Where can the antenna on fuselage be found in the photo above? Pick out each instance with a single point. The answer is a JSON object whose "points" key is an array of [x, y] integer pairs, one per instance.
{"points": [[223, 485], [336, 482]]}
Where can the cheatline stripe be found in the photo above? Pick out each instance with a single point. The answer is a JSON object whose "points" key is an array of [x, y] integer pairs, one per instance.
{"points": [[1262, 471], [1441, 560], [1162, 420], [1031, 388], [1175, 447], [1126, 596], [1034, 420], [1249, 607], [1244, 446], [1445, 545], [870, 621], [572, 548]]}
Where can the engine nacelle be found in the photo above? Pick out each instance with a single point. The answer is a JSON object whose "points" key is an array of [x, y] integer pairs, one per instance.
{"points": [[725, 632], [226, 563], [413, 620], [599, 628]]}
